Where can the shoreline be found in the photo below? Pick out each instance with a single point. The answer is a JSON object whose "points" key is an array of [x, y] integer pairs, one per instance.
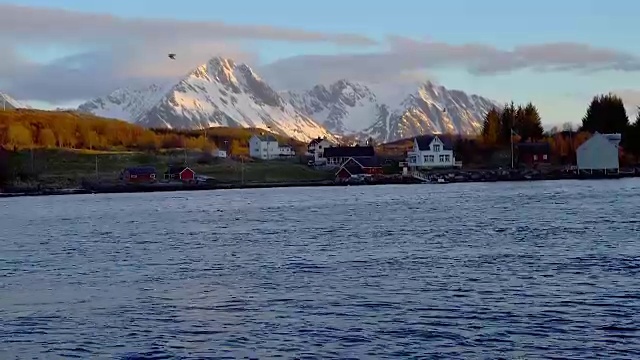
{"points": [[447, 178]]}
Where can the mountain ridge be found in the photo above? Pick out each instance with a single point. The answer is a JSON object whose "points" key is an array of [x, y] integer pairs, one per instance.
{"points": [[224, 93]]}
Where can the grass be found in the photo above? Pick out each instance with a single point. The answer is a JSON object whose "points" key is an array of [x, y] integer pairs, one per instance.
{"points": [[64, 168]]}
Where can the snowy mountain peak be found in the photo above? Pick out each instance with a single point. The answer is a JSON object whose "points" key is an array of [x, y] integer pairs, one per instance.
{"points": [[7, 102], [388, 112], [219, 92]]}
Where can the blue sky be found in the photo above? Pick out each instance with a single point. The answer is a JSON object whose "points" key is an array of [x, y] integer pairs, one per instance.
{"points": [[561, 96]]}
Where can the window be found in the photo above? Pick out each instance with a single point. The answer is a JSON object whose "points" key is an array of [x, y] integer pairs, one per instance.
{"points": [[133, 176], [535, 157], [153, 176], [441, 158], [429, 158], [412, 159], [447, 158], [436, 148], [544, 157]]}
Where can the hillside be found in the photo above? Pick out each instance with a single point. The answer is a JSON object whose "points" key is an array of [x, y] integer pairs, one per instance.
{"points": [[219, 93], [27, 128]]}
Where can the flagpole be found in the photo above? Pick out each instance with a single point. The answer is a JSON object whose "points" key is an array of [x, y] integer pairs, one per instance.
{"points": [[511, 137]]}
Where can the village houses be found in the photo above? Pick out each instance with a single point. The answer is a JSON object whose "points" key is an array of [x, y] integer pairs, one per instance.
{"points": [[266, 147], [432, 151]]}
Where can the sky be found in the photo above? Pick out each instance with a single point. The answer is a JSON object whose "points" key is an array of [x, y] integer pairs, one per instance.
{"points": [[556, 54]]}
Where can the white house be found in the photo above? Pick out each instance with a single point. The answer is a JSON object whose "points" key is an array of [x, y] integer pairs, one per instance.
{"points": [[287, 151], [219, 153], [599, 153], [431, 151], [316, 149], [264, 147]]}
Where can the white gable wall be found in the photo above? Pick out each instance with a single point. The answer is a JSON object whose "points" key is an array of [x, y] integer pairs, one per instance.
{"points": [[435, 157], [597, 153]]}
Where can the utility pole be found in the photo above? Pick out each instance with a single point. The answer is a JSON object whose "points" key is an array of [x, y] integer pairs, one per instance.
{"points": [[96, 167], [511, 137]]}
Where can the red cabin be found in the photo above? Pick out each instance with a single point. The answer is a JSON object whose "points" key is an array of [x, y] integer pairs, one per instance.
{"points": [[365, 165], [182, 173], [532, 154], [144, 174]]}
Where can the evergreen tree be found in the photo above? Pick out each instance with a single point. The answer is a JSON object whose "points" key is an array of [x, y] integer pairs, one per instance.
{"points": [[530, 125], [491, 127], [507, 121], [606, 114], [632, 140]]}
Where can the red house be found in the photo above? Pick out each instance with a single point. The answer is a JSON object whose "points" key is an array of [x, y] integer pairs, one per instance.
{"points": [[143, 174], [182, 173], [365, 165], [532, 154]]}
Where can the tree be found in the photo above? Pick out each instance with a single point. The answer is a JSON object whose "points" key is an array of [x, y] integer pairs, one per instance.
{"points": [[507, 122], [529, 127], [47, 138], [19, 136], [633, 143], [491, 127], [606, 114]]}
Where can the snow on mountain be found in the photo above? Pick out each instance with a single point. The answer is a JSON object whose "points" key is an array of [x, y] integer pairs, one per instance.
{"points": [[127, 104], [218, 93], [389, 112], [7, 102]]}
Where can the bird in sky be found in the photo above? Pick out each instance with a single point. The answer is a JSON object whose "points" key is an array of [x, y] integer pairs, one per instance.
{"points": [[172, 56]]}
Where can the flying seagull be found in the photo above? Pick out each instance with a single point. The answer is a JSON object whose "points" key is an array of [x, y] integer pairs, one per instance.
{"points": [[172, 56]]}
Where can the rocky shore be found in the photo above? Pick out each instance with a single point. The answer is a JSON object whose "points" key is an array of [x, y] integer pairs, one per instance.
{"points": [[456, 176], [436, 177]]}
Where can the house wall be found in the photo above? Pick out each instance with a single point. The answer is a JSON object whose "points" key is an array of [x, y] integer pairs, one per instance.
{"points": [[431, 158], [318, 149], [597, 153], [262, 149], [187, 175]]}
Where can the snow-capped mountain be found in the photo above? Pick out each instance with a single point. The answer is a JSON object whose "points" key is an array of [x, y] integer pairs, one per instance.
{"points": [[388, 112], [7, 102], [218, 93]]}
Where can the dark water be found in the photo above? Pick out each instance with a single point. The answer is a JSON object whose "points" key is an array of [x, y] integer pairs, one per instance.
{"points": [[526, 270]]}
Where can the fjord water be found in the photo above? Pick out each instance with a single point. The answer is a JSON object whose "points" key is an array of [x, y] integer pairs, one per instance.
{"points": [[531, 270]]}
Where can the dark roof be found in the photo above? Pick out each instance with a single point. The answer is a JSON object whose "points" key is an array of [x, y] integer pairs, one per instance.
{"points": [[141, 170], [349, 151], [533, 147], [424, 142], [267, 138], [315, 141], [176, 169], [368, 161]]}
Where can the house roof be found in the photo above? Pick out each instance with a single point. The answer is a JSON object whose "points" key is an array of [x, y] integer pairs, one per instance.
{"points": [[424, 142], [316, 141], [353, 170], [176, 169], [141, 170], [534, 147], [267, 138], [349, 151], [367, 161]]}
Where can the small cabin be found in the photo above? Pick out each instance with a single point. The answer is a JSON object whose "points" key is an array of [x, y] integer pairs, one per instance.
{"points": [[182, 173], [141, 174]]}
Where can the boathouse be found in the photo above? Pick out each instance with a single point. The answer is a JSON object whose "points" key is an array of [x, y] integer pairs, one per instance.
{"points": [[182, 173]]}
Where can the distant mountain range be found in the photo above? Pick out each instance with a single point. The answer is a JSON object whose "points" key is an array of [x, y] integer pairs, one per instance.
{"points": [[389, 112], [7, 102], [223, 93]]}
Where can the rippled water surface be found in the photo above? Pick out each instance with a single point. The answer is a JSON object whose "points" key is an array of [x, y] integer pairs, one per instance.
{"points": [[523, 270]]}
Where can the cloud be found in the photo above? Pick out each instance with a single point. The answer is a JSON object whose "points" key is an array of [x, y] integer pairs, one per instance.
{"points": [[631, 99], [406, 55], [121, 51]]}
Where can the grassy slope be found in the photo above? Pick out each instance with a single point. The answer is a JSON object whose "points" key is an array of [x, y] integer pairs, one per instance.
{"points": [[64, 168]]}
